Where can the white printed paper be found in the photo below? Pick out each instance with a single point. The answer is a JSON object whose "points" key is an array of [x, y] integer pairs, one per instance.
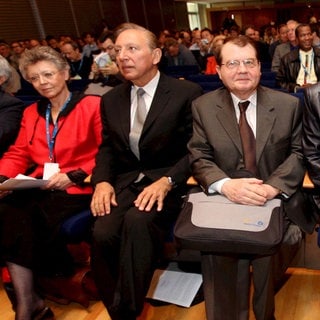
{"points": [[175, 287]]}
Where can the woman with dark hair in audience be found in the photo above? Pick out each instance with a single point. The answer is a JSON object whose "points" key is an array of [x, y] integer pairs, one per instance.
{"points": [[58, 139]]}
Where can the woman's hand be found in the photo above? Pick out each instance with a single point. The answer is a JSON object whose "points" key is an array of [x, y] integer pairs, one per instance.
{"points": [[59, 181]]}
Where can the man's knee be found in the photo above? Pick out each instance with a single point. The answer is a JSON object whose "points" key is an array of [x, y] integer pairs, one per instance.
{"points": [[103, 232]]}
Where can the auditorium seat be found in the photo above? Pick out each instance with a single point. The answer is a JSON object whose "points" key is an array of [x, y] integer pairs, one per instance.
{"points": [[181, 71]]}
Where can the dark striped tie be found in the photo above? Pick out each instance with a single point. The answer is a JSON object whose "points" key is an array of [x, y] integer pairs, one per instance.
{"points": [[247, 138]]}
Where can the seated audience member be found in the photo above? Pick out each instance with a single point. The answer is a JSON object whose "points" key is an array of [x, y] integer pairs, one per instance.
{"points": [[282, 38], [315, 28], [11, 84], [17, 51], [58, 139], [270, 34], [53, 42], [301, 67], [284, 48], [164, 34], [195, 40], [10, 110], [263, 48], [140, 172], [234, 31], [206, 42], [5, 51], [108, 74], [80, 65], [178, 54], [185, 38], [90, 48], [211, 61], [195, 45], [311, 135], [33, 43], [271, 166]]}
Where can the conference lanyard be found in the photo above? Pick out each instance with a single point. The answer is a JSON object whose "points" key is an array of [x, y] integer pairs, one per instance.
{"points": [[307, 68], [73, 68], [51, 139]]}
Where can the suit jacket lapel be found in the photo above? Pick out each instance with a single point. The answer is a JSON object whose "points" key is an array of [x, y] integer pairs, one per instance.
{"points": [[265, 121], [158, 105], [124, 103], [228, 119]]}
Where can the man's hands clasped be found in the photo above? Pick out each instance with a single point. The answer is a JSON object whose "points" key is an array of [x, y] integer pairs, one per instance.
{"points": [[249, 191]]}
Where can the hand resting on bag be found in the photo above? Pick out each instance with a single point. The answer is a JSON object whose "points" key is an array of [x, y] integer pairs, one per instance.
{"points": [[248, 191]]}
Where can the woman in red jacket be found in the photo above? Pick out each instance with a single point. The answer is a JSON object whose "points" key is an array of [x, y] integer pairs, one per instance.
{"points": [[58, 141]]}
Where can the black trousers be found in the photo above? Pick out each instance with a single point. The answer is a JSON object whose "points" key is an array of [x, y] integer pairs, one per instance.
{"points": [[227, 280], [126, 247], [30, 222]]}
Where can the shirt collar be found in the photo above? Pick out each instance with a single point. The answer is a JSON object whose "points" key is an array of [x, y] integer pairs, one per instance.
{"points": [[151, 86], [252, 99]]}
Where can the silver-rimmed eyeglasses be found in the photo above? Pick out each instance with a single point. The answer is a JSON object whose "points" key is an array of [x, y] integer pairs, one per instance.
{"points": [[234, 64], [48, 75]]}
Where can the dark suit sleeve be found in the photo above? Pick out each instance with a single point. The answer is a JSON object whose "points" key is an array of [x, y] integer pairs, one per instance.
{"points": [[163, 148], [11, 110], [288, 175], [311, 132], [181, 170], [104, 168]]}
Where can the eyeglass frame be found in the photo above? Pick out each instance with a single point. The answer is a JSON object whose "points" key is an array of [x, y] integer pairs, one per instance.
{"points": [[254, 62], [48, 75], [108, 48]]}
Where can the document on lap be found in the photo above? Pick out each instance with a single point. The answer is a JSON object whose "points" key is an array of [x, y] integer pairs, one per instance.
{"points": [[22, 182]]}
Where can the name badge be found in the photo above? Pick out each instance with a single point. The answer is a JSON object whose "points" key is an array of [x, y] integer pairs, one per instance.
{"points": [[50, 169]]}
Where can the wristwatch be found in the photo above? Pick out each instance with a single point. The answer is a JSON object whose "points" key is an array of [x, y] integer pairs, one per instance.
{"points": [[171, 181]]}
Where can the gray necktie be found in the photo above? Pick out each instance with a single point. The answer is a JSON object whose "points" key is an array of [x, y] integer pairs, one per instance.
{"points": [[138, 122]]}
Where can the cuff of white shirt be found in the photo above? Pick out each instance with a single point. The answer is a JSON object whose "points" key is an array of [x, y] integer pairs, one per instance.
{"points": [[217, 186]]}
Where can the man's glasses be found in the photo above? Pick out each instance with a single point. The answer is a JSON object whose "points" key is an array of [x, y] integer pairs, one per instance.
{"points": [[234, 64], [107, 48], [48, 75]]}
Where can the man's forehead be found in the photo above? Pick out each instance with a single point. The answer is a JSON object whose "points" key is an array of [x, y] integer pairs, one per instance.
{"points": [[304, 30], [227, 49]]}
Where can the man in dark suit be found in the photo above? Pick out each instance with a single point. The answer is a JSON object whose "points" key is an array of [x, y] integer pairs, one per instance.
{"points": [[311, 135], [138, 181], [220, 165], [284, 48], [11, 110]]}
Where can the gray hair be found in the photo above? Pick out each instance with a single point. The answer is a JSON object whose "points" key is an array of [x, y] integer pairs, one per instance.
{"points": [[150, 36], [41, 53], [5, 70]]}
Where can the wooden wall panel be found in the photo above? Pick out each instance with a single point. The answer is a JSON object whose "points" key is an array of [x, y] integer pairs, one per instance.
{"points": [[16, 20], [113, 13]]}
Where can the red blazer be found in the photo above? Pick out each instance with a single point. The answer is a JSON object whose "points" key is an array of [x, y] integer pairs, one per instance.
{"points": [[76, 144]]}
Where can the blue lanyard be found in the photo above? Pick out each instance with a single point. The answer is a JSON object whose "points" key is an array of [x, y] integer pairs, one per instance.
{"points": [[76, 71], [51, 139], [307, 69]]}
